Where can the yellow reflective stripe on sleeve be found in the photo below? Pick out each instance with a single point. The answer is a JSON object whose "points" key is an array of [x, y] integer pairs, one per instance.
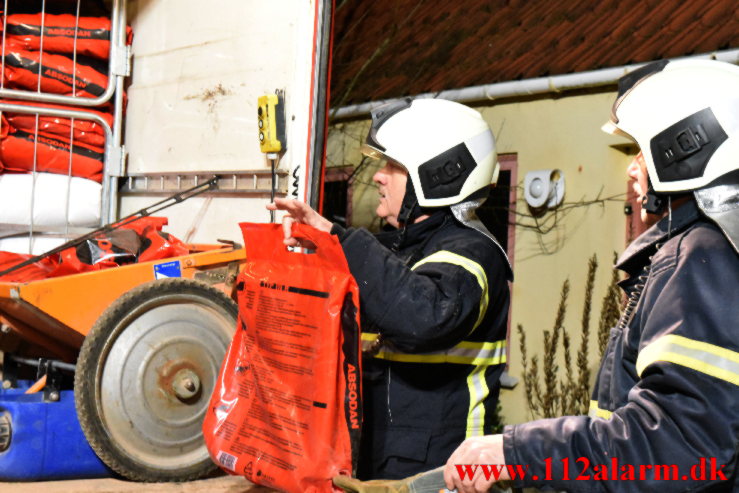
{"points": [[465, 353], [596, 412], [470, 266], [700, 356], [479, 391], [368, 338]]}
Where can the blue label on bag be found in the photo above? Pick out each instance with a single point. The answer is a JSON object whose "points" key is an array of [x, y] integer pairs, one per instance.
{"points": [[168, 269]]}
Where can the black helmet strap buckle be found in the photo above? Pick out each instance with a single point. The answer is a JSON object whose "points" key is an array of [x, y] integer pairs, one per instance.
{"points": [[653, 203]]}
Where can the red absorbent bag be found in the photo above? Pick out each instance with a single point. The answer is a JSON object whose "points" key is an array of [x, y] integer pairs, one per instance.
{"points": [[82, 130], [31, 272], [92, 33], [139, 241], [286, 409], [58, 74], [52, 154]]}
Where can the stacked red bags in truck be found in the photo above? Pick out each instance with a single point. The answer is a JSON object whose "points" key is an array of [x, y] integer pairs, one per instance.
{"points": [[52, 152], [92, 34], [88, 132], [55, 74], [69, 59], [57, 54]]}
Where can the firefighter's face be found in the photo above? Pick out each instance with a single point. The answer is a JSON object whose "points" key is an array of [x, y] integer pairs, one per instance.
{"points": [[391, 180], [637, 170]]}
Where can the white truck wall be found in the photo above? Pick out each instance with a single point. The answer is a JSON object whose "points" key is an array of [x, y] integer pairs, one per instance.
{"points": [[198, 69]]}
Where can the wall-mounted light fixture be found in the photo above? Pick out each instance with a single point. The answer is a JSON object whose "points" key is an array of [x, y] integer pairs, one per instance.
{"points": [[544, 189]]}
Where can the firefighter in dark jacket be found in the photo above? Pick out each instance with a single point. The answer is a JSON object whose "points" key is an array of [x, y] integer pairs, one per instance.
{"points": [[433, 291], [664, 415]]}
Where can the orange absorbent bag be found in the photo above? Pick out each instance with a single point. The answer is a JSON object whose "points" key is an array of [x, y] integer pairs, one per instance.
{"points": [[88, 132], [63, 33], [286, 409], [52, 154], [58, 74]]}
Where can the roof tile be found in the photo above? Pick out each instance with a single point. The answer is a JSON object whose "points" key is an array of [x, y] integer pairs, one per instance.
{"points": [[392, 48]]}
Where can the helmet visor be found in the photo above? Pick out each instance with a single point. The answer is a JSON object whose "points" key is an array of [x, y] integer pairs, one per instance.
{"points": [[610, 127], [379, 116], [628, 82], [372, 152]]}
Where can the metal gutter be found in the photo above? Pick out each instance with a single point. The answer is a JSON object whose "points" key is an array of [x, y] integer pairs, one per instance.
{"points": [[527, 87]]}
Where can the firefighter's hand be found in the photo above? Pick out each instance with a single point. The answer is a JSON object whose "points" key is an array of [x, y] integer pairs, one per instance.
{"points": [[475, 451], [300, 212], [351, 485]]}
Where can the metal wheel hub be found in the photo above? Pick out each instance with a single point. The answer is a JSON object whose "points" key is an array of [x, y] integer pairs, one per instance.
{"points": [[157, 379], [186, 383]]}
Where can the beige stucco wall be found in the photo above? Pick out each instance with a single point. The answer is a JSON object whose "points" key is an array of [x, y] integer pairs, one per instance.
{"points": [[565, 134], [561, 133]]}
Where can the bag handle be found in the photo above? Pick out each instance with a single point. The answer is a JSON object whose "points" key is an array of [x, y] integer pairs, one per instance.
{"points": [[265, 242]]}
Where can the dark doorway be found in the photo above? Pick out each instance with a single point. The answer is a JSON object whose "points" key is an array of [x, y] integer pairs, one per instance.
{"points": [[497, 213], [337, 195], [494, 211]]}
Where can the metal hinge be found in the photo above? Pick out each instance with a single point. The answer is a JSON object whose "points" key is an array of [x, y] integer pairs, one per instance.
{"points": [[115, 160], [120, 60]]}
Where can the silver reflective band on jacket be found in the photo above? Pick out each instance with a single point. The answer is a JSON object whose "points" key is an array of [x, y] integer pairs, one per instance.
{"points": [[700, 356]]}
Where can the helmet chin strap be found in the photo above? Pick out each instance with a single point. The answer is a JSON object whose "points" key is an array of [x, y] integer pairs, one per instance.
{"points": [[651, 202], [409, 208], [409, 211]]}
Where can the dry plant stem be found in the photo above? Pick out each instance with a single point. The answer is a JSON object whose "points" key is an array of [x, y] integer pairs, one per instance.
{"points": [[583, 382], [550, 394], [610, 309]]}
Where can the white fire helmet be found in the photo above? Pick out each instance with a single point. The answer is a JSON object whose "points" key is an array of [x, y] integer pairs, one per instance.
{"points": [[446, 147], [684, 115]]}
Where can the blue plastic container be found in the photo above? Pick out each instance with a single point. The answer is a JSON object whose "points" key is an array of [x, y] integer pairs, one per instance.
{"points": [[46, 440]]}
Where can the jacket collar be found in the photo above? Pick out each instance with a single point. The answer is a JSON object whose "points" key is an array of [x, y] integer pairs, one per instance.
{"points": [[638, 252], [414, 232]]}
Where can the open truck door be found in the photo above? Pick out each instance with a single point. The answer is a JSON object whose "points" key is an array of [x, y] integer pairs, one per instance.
{"points": [[198, 72], [189, 98]]}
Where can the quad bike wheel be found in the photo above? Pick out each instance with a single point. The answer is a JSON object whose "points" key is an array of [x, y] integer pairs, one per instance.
{"points": [[145, 375]]}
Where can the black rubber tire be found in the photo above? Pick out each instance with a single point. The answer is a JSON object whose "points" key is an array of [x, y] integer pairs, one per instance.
{"points": [[91, 361]]}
